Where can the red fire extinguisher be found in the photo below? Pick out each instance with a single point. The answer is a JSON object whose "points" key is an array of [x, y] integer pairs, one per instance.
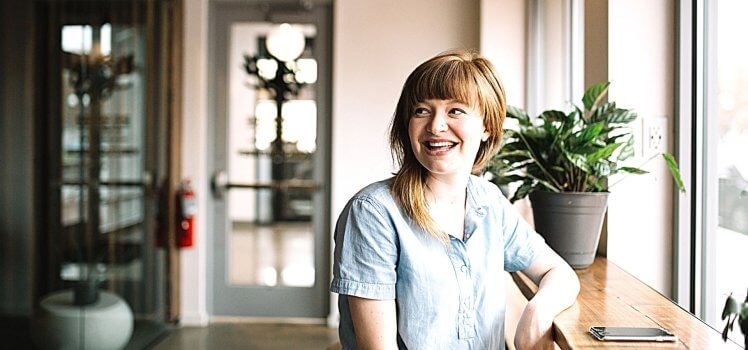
{"points": [[187, 209]]}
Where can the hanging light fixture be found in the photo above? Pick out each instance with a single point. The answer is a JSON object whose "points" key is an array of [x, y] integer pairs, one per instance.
{"points": [[285, 42]]}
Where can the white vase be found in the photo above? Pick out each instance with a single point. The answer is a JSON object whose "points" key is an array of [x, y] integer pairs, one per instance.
{"points": [[105, 324]]}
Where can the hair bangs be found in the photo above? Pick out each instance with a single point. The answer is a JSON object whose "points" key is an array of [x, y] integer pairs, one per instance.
{"points": [[451, 80]]}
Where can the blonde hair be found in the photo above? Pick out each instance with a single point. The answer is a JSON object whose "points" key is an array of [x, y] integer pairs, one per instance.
{"points": [[459, 75]]}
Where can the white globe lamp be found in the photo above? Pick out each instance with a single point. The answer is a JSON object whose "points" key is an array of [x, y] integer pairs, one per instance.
{"points": [[285, 42]]}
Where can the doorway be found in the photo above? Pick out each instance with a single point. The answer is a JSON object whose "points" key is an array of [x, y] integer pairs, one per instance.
{"points": [[105, 168], [271, 158]]}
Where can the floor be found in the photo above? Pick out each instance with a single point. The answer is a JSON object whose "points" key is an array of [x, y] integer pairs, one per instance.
{"points": [[271, 256], [250, 336]]}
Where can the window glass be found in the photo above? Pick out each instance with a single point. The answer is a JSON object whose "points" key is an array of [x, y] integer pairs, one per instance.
{"points": [[731, 104]]}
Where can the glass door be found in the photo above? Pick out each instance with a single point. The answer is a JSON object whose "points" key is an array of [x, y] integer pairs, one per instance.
{"points": [[106, 155], [270, 241]]}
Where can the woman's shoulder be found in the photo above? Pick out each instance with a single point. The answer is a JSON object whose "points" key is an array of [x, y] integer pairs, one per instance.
{"points": [[377, 192], [483, 187], [375, 197]]}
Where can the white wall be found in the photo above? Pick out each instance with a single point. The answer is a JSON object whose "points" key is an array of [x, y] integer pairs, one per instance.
{"points": [[503, 31], [376, 45], [641, 70], [193, 287]]}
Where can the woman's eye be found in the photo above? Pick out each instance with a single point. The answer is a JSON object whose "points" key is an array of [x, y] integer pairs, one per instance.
{"points": [[457, 111], [421, 112]]}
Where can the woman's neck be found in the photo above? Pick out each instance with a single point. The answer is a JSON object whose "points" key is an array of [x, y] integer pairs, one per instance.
{"points": [[447, 190]]}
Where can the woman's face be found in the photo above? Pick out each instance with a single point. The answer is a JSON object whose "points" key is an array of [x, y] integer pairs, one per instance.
{"points": [[445, 136]]}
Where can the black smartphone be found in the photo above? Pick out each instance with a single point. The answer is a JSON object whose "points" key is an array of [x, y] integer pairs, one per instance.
{"points": [[632, 334]]}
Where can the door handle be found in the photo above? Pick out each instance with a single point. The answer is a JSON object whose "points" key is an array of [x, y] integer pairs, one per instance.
{"points": [[220, 183]]}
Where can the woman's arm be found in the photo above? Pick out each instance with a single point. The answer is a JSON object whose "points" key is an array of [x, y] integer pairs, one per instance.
{"points": [[558, 287], [375, 323]]}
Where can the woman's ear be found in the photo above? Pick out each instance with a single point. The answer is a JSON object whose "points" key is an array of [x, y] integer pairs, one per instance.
{"points": [[485, 136]]}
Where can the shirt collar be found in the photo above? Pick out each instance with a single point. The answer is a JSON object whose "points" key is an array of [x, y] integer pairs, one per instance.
{"points": [[476, 208], [476, 202]]}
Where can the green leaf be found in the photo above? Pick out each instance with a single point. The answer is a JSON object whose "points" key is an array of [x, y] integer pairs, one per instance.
{"points": [[603, 153], [507, 179], [519, 114], [512, 146], [619, 134], [545, 183], [598, 185], [515, 153], [513, 166], [621, 116], [578, 160], [601, 169], [553, 116], [601, 113], [632, 170], [585, 150], [535, 133], [594, 95], [510, 134], [575, 117], [673, 166], [522, 191], [551, 128], [731, 307], [627, 151], [515, 159], [725, 332], [590, 132]]}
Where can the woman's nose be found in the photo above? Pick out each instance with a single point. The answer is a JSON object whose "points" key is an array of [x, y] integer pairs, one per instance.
{"points": [[438, 123]]}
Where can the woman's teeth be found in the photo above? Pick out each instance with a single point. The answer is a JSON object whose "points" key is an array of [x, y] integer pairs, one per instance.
{"points": [[440, 146]]}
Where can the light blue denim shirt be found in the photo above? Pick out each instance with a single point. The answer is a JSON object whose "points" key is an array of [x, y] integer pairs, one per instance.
{"points": [[447, 296]]}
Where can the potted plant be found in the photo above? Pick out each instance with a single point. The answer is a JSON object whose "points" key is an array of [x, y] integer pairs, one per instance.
{"points": [[563, 162], [736, 311], [84, 316]]}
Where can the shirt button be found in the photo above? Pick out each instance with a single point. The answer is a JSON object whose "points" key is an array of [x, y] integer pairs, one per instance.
{"points": [[463, 268]]}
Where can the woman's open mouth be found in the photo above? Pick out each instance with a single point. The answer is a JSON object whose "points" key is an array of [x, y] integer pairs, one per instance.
{"points": [[440, 147]]}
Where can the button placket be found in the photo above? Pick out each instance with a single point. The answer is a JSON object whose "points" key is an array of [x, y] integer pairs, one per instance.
{"points": [[461, 264]]}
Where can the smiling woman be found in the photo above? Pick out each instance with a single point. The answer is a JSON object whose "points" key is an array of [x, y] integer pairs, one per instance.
{"points": [[419, 258], [459, 81]]}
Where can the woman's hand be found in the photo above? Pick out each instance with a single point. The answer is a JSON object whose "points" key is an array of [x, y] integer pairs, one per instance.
{"points": [[534, 329], [558, 287]]}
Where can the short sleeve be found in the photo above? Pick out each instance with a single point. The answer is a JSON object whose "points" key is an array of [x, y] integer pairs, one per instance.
{"points": [[366, 252], [521, 242]]}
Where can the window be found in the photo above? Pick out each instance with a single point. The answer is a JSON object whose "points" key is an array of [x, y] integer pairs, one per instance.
{"points": [[726, 107], [713, 223]]}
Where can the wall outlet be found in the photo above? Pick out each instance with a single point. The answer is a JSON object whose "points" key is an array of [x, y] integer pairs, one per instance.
{"points": [[654, 136]]}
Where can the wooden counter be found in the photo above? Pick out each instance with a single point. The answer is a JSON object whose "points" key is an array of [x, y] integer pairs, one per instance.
{"points": [[611, 297]]}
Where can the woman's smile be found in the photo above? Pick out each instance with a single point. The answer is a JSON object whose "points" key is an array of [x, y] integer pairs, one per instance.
{"points": [[439, 147], [446, 135]]}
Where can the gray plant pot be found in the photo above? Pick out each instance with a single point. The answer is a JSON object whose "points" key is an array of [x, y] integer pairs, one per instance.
{"points": [[570, 222]]}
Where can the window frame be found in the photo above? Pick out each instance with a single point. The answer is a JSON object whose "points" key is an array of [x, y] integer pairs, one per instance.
{"points": [[696, 212]]}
